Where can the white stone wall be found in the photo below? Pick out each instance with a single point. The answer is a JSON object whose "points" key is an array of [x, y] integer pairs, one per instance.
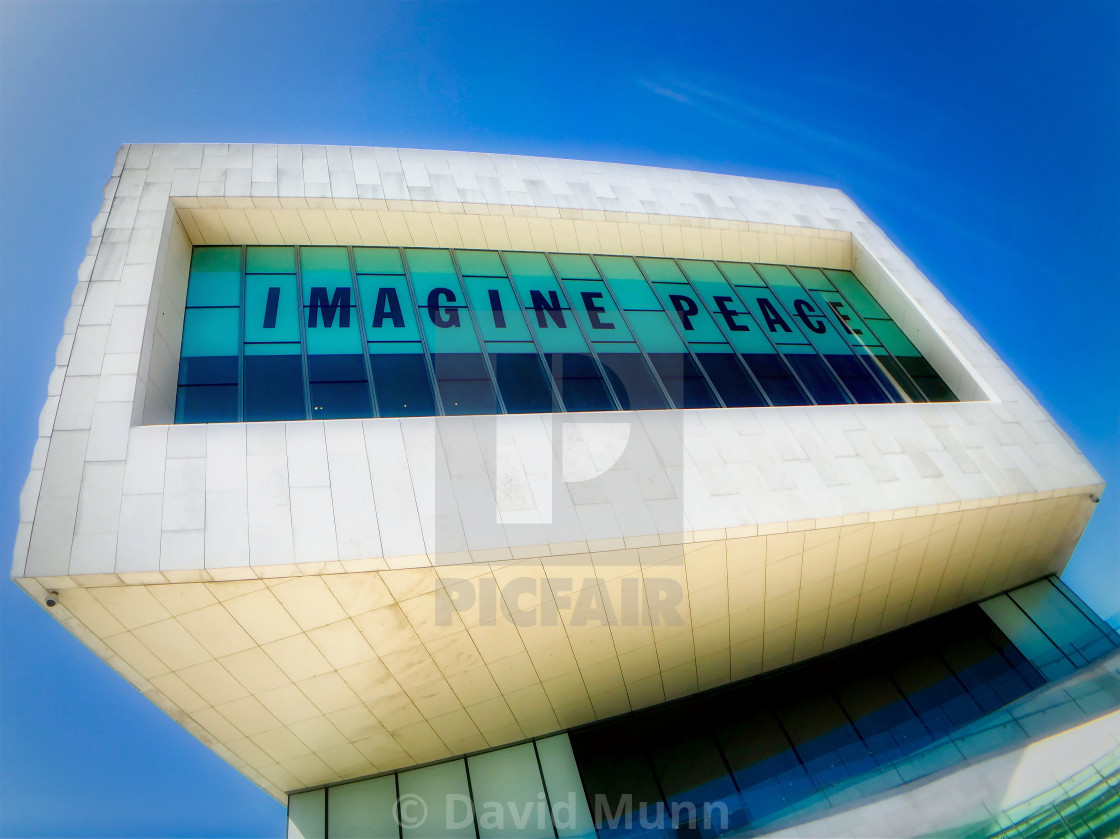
{"points": [[107, 495]]}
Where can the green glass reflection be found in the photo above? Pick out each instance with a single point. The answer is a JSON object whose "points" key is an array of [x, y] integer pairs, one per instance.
{"points": [[396, 347], [378, 261], [215, 278], [480, 264], [271, 312], [892, 338], [812, 278], [684, 305], [655, 332], [771, 315], [660, 270], [449, 330], [596, 310], [865, 304], [210, 332], [740, 273], [272, 349], [572, 266], [270, 260], [339, 338]]}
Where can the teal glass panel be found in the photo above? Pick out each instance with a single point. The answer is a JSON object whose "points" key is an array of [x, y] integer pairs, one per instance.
{"points": [[387, 308], [797, 349], [363, 810], [396, 347], [777, 276], [443, 791], [613, 348], [271, 312], [210, 332], [270, 260], [628, 283], [496, 309], [597, 311], [511, 346], [1026, 636], [215, 278], [433, 277], [865, 304], [555, 337], [892, 338], [480, 264], [572, 266], [685, 305], [307, 815], [850, 325], [537, 290], [658, 269], [378, 261], [813, 278], [739, 273], [1073, 633], [527, 264], [340, 338], [771, 315], [655, 332], [272, 349], [570, 812], [508, 793], [317, 258], [454, 334], [812, 319]]}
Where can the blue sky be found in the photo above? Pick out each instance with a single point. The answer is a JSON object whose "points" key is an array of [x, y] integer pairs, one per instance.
{"points": [[981, 137]]}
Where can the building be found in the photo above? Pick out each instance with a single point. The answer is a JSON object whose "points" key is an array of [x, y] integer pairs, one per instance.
{"points": [[616, 499]]}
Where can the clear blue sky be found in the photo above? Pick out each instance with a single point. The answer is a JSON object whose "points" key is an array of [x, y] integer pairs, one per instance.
{"points": [[983, 138]]}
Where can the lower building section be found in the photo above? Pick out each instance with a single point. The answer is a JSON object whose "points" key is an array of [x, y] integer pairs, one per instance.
{"points": [[937, 728]]}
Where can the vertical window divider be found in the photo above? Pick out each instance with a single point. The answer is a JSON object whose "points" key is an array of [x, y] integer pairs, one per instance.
{"points": [[762, 331], [241, 336], [477, 332], [429, 360], [301, 315], [680, 333], [544, 785], [363, 337], [536, 341], [470, 795], [725, 332], [622, 313]]}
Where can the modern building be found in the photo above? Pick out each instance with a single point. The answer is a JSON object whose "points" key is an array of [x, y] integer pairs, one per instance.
{"points": [[454, 494]]}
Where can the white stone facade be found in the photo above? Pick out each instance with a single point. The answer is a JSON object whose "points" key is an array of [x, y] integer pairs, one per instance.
{"points": [[286, 575]]}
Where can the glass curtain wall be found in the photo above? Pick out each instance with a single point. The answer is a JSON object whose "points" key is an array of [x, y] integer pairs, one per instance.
{"points": [[316, 332]]}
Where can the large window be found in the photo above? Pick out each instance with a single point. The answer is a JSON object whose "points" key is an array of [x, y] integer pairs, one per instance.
{"points": [[282, 333]]}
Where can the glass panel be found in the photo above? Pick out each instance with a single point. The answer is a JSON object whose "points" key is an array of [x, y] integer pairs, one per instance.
{"points": [[570, 815], [402, 385], [735, 386], [862, 300], [580, 383], [271, 310], [739, 273], [1065, 625], [433, 278], [270, 260], [695, 323], [774, 375], [597, 311], [307, 815], [932, 385], [480, 264], [818, 378], [340, 400], [449, 330], [655, 332], [208, 370], [858, 379], [572, 266], [387, 307], [443, 790], [628, 283], [632, 380], [509, 795], [363, 810], [210, 332], [315, 260], [522, 382], [464, 384], [496, 309], [378, 261], [273, 388], [215, 278], [683, 380], [206, 403]]}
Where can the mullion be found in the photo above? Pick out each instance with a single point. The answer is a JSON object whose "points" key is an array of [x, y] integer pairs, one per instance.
{"points": [[428, 360], [302, 320], [374, 410]]}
